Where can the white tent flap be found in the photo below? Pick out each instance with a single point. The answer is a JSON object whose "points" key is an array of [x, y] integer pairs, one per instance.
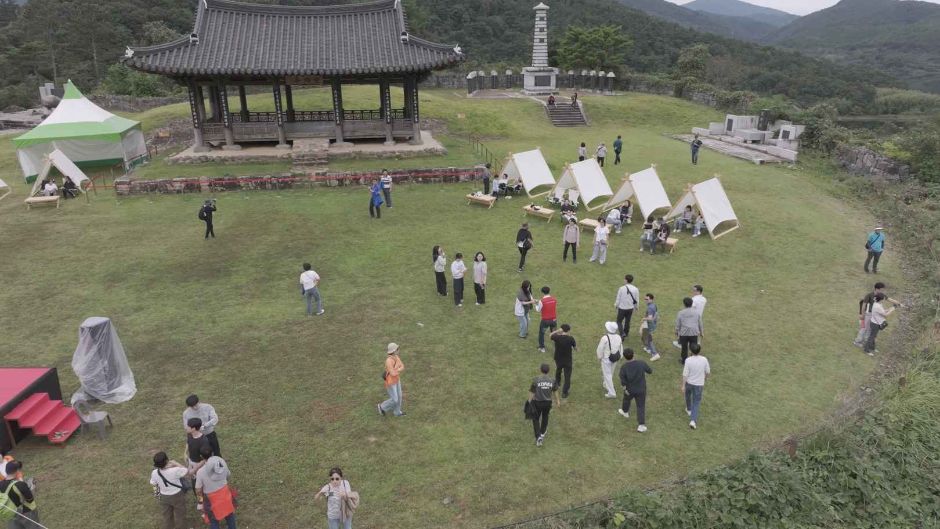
{"points": [[710, 198], [589, 180], [650, 193], [101, 365], [532, 170], [65, 166], [622, 195]]}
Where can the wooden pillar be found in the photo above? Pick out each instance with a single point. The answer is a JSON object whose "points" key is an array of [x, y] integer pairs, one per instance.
{"points": [[336, 86], [243, 104], [214, 102], [290, 102], [230, 144], [413, 112], [279, 113], [197, 109], [387, 111]]}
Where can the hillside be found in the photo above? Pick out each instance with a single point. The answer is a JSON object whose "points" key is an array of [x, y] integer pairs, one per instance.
{"points": [[899, 38], [727, 26], [737, 8]]}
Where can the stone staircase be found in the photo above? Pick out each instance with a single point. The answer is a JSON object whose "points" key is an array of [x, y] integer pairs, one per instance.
{"points": [[563, 114], [310, 152]]}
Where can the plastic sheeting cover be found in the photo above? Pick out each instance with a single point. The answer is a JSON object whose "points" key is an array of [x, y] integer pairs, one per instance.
{"points": [[100, 363], [532, 170]]}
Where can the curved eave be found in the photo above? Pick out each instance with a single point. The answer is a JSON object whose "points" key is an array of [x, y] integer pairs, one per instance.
{"points": [[144, 66]]}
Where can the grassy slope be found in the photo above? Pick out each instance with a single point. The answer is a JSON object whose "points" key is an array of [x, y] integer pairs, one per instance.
{"points": [[297, 396]]}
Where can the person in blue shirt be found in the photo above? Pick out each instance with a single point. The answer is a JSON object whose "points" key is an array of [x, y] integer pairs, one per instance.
{"points": [[375, 201], [875, 246], [618, 148]]}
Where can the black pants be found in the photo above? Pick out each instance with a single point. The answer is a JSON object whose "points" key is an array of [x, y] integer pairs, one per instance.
{"points": [[580, 158], [872, 335], [623, 321], [486, 186], [522, 252], [480, 292], [458, 291], [375, 211], [695, 157], [684, 342], [872, 259], [387, 193], [617, 157], [574, 252], [559, 369], [542, 407], [600, 161], [441, 283], [209, 230], [214, 443], [640, 405]]}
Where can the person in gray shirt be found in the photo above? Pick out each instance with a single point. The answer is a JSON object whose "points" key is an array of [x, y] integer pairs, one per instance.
{"points": [[688, 328], [206, 413]]}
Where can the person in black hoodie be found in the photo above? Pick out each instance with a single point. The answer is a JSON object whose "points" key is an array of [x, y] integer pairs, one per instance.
{"points": [[205, 215], [633, 379], [524, 243]]}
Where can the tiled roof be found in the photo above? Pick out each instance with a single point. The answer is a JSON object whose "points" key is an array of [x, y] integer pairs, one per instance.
{"points": [[252, 40]]}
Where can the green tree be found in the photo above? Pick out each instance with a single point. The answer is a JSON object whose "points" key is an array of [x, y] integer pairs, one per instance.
{"points": [[693, 62], [600, 48]]}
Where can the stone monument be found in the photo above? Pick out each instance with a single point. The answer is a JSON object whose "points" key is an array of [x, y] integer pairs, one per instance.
{"points": [[540, 78]]}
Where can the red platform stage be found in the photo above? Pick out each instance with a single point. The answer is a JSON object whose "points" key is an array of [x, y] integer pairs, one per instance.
{"points": [[30, 402]]}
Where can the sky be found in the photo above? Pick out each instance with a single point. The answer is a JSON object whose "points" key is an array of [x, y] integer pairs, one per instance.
{"points": [[797, 7]]}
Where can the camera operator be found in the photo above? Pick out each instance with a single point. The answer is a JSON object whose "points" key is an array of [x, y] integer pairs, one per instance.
{"points": [[205, 215]]}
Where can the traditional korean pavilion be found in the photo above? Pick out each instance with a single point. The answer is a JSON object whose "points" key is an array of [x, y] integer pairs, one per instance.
{"points": [[235, 45]]}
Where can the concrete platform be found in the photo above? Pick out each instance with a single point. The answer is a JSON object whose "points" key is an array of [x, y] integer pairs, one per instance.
{"points": [[740, 151]]}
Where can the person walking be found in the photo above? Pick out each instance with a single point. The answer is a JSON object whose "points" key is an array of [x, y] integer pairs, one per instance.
{"points": [[879, 322], [618, 148], [168, 486], [487, 177], [542, 392], [524, 302], [574, 99], [626, 302], [208, 418], [694, 373], [341, 500], [633, 380], [21, 495], [698, 303], [601, 241], [648, 327], [375, 200], [479, 277], [609, 352], [392, 375], [601, 154], [387, 188], [457, 271], [688, 327], [213, 492], [549, 320], [696, 145], [565, 344], [572, 239], [582, 152], [523, 243], [875, 246], [310, 289], [205, 214], [440, 264]]}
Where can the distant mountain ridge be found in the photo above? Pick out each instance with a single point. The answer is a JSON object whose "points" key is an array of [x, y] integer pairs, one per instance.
{"points": [[727, 26], [737, 8]]}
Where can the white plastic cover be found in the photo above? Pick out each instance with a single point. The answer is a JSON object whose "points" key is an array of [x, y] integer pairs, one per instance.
{"points": [[710, 198], [589, 180], [101, 365], [532, 170], [649, 191]]}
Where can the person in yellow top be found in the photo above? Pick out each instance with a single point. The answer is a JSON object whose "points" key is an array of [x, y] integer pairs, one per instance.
{"points": [[393, 369]]}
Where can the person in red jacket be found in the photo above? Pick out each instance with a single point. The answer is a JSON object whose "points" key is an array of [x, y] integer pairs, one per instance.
{"points": [[549, 316]]}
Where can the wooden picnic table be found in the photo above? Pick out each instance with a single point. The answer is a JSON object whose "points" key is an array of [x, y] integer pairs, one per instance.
{"points": [[486, 200], [42, 201], [539, 211]]}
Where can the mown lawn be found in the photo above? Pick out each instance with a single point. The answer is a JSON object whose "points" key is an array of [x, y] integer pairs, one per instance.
{"points": [[297, 395]]}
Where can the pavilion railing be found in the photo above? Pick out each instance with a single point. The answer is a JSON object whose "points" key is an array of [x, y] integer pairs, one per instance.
{"points": [[318, 115]]}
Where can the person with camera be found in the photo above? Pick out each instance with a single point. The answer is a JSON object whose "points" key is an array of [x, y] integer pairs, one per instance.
{"points": [[169, 480], [205, 215], [341, 500], [879, 322]]}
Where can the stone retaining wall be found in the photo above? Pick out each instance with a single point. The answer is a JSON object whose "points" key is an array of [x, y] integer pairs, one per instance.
{"points": [[117, 103], [866, 162]]}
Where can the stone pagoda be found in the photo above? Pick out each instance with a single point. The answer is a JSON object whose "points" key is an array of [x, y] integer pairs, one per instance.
{"points": [[540, 78]]}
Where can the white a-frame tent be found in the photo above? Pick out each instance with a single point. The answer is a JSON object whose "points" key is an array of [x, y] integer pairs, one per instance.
{"points": [[65, 166], [4, 189], [646, 190], [531, 169], [710, 198], [588, 179]]}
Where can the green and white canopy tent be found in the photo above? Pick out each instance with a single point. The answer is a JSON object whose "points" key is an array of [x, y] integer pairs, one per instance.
{"points": [[86, 133]]}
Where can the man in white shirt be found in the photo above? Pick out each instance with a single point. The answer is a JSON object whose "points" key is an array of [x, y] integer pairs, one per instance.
{"points": [[387, 187], [610, 343], [50, 189], [309, 289], [614, 220], [626, 303], [694, 373], [601, 241], [457, 270], [166, 479], [698, 305]]}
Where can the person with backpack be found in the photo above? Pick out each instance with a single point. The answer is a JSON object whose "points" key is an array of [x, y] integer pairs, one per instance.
{"points": [[341, 500], [523, 243], [609, 351], [875, 246], [169, 485], [17, 502], [393, 369], [205, 215]]}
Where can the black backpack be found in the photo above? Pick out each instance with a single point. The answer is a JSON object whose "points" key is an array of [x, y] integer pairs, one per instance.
{"points": [[202, 213]]}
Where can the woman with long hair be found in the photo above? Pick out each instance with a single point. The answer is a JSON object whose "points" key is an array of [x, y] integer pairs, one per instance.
{"points": [[479, 277], [524, 302], [440, 264]]}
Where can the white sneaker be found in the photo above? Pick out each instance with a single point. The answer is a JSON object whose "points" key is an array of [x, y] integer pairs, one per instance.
{"points": [[646, 349], [460, 304], [654, 358], [688, 412], [321, 312], [692, 425], [641, 428], [609, 396], [624, 413], [676, 345]]}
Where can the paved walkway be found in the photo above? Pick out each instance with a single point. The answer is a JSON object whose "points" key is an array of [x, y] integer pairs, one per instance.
{"points": [[730, 149]]}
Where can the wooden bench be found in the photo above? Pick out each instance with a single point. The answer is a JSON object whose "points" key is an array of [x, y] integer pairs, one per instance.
{"points": [[486, 200], [539, 211], [42, 201], [590, 224], [671, 244]]}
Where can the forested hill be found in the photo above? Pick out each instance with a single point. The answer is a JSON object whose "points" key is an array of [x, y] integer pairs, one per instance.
{"points": [[737, 8], [900, 38], [727, 26]]}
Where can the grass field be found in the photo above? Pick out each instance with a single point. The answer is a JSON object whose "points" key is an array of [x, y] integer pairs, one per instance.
{"points": [[297, 395]]}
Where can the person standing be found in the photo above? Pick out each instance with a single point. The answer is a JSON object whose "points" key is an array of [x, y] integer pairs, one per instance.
{"points": [[213, 492], [440, 264], [864, 313], [609, 351], [694, 373], [205, 215], [633, 379], [479, 277], [487, 177], [457, 270], [696, 145], [393, 369], [310, 288], [648, 327], [375, 200], [879, 321], [875, 246], [601, 154], [601, 241], [582, 152], [549, 319], [542, 392], [524, 302], [195, 442], [340, 500], [208, 418], [565, 344], [688, 327], [626, 303], [572, 239], [523, 243], [167, 480], [698, 303], [618, 148], [20, 493], [387, 188]]}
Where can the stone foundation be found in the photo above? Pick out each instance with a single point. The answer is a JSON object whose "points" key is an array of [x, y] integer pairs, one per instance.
{"points": [[866, 162]]}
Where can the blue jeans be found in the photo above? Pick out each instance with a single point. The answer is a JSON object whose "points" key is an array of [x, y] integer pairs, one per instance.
{"points": [[394, 399], [312, 295], [693, 399], [523, 325], [648, 340], [340, 524], [546, 324], [387, 192]]}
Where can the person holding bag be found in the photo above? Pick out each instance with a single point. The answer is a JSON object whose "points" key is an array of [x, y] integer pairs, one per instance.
{"points": [[609, 352], [169, 486], [523, 243], [341, 500]]}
